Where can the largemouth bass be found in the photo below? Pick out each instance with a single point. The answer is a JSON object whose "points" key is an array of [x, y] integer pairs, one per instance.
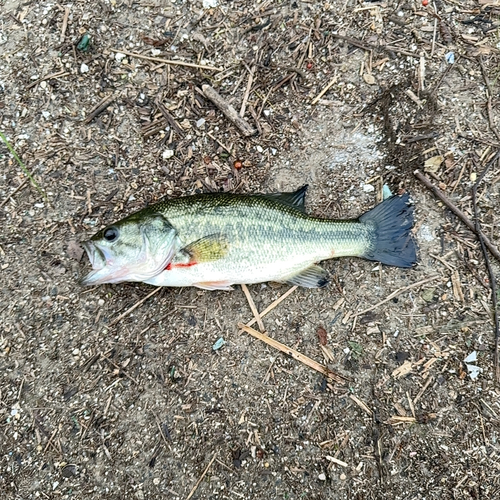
{"points": [[213, 241]]}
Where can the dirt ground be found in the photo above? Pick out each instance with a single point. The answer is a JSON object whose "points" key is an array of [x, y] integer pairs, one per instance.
{"points": [[102, 400]]}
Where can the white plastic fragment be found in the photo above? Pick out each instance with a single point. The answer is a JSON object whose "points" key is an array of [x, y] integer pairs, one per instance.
{"points": [[200, 122], [386, 192], [119, 57], [368, 188], [473, 370], [209, 4], [168, 153], [450, 57], [471, 357], [220, 342], [84, 68]]}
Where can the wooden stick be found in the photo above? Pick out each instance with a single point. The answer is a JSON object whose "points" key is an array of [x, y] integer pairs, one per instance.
{"points": [[325, 90], [247, 92], [97, 110], [228, 110], [167, 61], [324, 370], [396, 293], [270, 307], [251, 303], [191, 493], [58, 74], [440, 195], [64, 24], [491, 274], [135, 306]]}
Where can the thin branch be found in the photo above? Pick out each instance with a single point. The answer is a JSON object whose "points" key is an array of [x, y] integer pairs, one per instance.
{"points": [[441, 196], [167, 61], [491, 274]]}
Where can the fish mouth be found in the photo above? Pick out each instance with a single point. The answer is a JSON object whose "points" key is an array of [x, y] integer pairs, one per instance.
{"points": [[100, 271], [104, 270]]}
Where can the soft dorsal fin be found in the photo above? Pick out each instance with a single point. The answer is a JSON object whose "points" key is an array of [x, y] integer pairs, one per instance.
{"points": [[208, 248], [312, 277], [294, 199]]}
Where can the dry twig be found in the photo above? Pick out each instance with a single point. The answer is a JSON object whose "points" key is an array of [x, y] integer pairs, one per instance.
{"points": [[167, 61], [441, 196], [396, 293], [135, 306], [255, 312], [491, 274], [97, 110], [228, 110], [191, 493], [324, 370], [271, 306]]}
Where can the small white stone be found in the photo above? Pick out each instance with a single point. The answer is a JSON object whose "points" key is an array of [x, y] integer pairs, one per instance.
{"points": [[200, 123], [46, 114], [119, 57], [155, 52], [168, 153], [259, 149], [322, 477], [84, 68], [209, 4], [368, 188]]}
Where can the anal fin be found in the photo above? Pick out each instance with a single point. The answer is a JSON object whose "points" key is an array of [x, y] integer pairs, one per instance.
{"points": [[312, 277], [214, 285]]}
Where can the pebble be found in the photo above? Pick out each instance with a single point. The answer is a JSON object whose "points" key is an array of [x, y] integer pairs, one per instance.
{"points": [[168, 153], [84, 68], [322, 477]]}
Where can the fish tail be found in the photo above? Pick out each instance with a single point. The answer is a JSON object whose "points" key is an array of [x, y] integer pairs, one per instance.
{"points": [[392, 241]]}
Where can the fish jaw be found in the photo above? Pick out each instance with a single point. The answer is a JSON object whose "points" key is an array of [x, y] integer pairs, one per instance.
{"points": [[105, 270]]}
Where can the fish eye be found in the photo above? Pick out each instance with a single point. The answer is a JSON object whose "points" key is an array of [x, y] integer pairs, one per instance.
{"points": [[111, 234]]}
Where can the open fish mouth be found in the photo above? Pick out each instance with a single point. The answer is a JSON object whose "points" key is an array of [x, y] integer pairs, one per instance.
{"points": [[99, 272], [95, 255], [105, 269]]}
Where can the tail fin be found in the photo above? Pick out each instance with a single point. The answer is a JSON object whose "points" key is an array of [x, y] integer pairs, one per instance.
{"points": [[393, 243]]}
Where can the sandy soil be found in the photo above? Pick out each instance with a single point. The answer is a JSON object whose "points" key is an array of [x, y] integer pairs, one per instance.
{"points": [[99, 400]]}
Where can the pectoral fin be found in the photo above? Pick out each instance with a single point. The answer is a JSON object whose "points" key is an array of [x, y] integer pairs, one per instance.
{"points": [[208, 248], [312, 277]]}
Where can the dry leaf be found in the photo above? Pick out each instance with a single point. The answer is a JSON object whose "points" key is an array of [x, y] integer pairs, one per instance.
{"points": [[403, 370], [369, 79], [322, 335], [433, 164]]}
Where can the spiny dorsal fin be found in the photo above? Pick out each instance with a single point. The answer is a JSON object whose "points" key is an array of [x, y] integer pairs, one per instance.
{"points": [[294, 199], [208, 248], [312, 277]]}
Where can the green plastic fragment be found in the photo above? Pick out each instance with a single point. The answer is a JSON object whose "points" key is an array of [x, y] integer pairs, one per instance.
{"points": [[84, 43]]}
